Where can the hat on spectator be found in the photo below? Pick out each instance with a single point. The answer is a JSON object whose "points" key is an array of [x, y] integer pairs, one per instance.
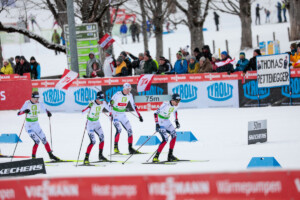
{"points": [[120, 59], [179, 53], [141, 54], [108, 51], [147, 53], [257, 51], [162, 58], [243, 53], [197, 50], [294, 45], [32, 58], [224, 53], [202, 58], [22, 58], [17, 57], [123, 53], [215, 56], [206, 47], [193, 57], [5, 61]]}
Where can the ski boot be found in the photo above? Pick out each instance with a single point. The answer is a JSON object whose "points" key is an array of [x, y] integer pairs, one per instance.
{"points": [[101, 157], [86, 159], [33, 156], [171, 157], [53, 157], [155, 158], [116, 149], [132, 150]]}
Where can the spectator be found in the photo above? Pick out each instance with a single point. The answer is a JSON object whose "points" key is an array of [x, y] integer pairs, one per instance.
{"points": [[267, 12], [121, 69], [123, 54], [227, 67], [33, 21], [181, 65], [148, 52], [89, 64], [206, 52], [242, 63], [279, 12], [252, 62], [97, 71], [17, 69], [257, 14], [109, 66], [295, 59], [293, 48], [134, 29], [35, 69], [137, 63], [197, 54], [24, 66], [185, 53], [11, 61], [63, 41], [123, 32], [164, 66], [215, 59], [149, 66], [283, 8], [193, 66], [216, 18], [55, 39], [7, 68], [205, 65], [149, 25]]}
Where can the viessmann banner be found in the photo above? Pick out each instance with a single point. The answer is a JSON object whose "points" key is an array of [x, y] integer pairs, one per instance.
{"points": [[273, 70]]}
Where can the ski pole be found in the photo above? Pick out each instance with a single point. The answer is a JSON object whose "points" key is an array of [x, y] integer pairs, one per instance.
{"points": [[139, 147], [50, 133], [18, 139], [110, 137], [81, 142]]}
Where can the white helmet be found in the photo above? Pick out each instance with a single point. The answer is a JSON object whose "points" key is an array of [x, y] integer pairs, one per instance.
{"points": [[126, 86]]}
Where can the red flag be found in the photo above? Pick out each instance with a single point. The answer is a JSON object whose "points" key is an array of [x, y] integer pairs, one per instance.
{"points": [[106, 41], [66, 80], [222, 63], [144, 82]]}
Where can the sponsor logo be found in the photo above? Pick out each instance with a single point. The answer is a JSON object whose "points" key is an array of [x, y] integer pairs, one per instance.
{"points": [[2, 95], [251, 91], [114, 191], [219, 91], [7, 194], [154, 90], [160, 79], [297, 183], [187, 92], [212, 76], [178, 78], [15, 170], [257, 136], [84, 95], [264, 187], [122, 104], [110, 81], [170, 188], [54, 97], [295, 89], [56, 190], [95, 82], [111, 91]]}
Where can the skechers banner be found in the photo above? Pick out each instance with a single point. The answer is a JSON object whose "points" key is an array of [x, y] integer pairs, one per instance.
{"points": [[23, 168], [273, 70]]}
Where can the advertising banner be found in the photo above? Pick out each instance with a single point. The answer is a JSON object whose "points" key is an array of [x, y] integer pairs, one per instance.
{"points": [[273, 70]]}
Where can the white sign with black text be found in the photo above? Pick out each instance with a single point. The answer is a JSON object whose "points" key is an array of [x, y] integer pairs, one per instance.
{"points": [[257, 131]]}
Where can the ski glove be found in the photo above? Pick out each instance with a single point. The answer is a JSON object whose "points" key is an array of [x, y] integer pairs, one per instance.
{"points": [[157, 127], [27, 111], [177, 123], [49, 113], [141, 118]]}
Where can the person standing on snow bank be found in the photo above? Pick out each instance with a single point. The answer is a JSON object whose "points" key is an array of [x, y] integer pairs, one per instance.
{"points": [[123, 32], [216, 18], [257, 14], [55, 39], [94, 126], [32, 108], [119, 104], [279, 12], [164, 126]]}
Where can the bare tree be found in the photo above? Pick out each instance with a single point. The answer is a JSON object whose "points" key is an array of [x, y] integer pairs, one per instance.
{"points": [[195, 19], [241, 8], [294, 13], [144, 24]]}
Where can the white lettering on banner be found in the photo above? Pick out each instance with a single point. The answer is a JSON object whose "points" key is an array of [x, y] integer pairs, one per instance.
{"points": [[34, 83], [2, 95], [178, 78], [47, 190], [196, 77], [265, 187], [7, 194], [297, 183], [127, 80], [114, 190], [21, 169], [170, 188], [230, 76], [257, 136], [95, 82], [109, 81], [160, 79], [211, 76]]}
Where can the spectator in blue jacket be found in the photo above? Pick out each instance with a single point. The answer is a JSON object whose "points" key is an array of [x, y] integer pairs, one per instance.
{"points": [[35, 69], [242, 63], [181, 65], [123, 32]]}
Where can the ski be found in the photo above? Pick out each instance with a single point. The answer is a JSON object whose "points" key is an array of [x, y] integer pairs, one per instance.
{"points": [[105, 161], [127, 154], [62, 161], [161, 163], [90, 165], [185, 161]]}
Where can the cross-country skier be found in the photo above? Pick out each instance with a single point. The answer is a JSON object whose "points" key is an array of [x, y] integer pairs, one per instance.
{"points": [[93, 125], [32, 108], [119, 103], [164, 125]]}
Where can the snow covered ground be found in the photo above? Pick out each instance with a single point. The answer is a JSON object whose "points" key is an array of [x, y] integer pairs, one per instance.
{"points": [[221, 134]]}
